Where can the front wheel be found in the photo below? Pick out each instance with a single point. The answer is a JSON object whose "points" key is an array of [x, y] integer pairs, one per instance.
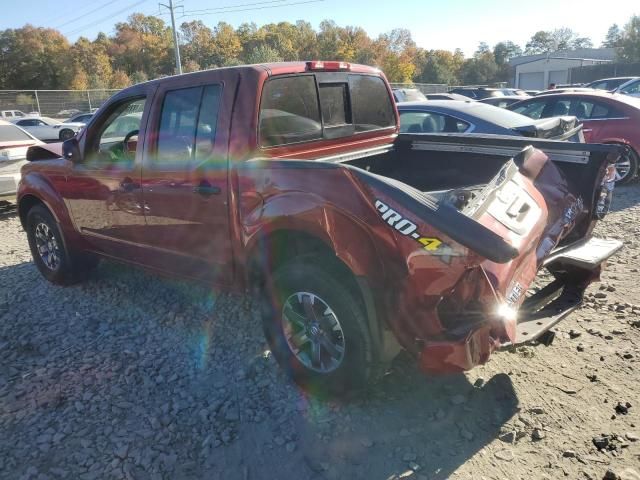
{"points": [[49, 252], [317, 330]]}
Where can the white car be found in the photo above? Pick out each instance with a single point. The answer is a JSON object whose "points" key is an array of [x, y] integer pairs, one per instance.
{"points": [[11, 114], [632, 87], [46, 129], [14, 143]]}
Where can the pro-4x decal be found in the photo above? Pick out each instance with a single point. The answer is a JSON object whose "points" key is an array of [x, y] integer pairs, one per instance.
{"points": [[406, 227]]}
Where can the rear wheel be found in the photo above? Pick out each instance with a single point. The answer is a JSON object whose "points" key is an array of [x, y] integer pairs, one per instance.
{"points": [[626, 166], [317, 330], [49, 252], [66, 134]]}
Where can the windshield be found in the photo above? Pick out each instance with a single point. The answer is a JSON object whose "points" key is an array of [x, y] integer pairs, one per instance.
{"points": [[497, 115]]}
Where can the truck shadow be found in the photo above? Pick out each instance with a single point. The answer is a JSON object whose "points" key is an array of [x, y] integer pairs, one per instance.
{"points": [[625, 197], [170, 356]]}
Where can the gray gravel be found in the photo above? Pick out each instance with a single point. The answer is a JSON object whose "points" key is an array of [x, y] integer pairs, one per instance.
{"points": [[134, 376]]}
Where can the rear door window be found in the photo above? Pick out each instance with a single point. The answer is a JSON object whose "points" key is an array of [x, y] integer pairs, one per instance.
{"points": [[632, 88], [588, 110], [371, 103], [187, 126], [532, 109], [289, 111]]}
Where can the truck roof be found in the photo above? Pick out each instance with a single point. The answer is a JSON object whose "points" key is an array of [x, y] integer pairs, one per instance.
{"points": [[281, 68]]}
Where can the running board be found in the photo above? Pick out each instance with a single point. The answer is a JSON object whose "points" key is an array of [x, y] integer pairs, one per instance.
{"points": [[545, 308], [585, 254]]}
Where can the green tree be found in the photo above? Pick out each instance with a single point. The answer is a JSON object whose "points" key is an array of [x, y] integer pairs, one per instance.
{"points": [[481, 69], [613, 38], [503, 51], [441, 66], [630, 42], [555, 40], [263, 54]]}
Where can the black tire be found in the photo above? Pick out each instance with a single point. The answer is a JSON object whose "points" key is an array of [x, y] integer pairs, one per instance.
{"points": [[359, 365], [632, 157], [61, 268], [66, 134]]}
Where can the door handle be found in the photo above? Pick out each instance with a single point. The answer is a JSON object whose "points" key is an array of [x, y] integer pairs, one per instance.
{"points": [[587, 130], [206, 189], [127, 185]]}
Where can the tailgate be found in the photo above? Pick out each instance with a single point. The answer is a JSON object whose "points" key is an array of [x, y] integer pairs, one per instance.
{"points": [[537, 203]]}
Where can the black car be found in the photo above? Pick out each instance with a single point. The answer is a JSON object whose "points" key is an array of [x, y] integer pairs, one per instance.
{"points": [[478, 93], [445, 96], [450, 116]]}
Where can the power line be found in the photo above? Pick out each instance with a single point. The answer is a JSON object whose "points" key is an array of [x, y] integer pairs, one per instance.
{"points": [[254, 8], [73, 20], [97, 22], [216, 9]]}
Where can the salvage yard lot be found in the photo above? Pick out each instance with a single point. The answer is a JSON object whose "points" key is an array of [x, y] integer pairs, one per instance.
{"points": [[133, 376]]}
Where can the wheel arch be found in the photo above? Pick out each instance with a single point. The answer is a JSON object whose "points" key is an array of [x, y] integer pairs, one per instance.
{"points": [[274, 247]]}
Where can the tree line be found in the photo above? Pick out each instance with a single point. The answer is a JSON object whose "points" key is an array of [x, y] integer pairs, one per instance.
{"points": [[141, 48]]}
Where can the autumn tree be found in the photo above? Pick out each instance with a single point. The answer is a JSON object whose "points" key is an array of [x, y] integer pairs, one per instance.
{"points": [[34, 57], [226, 45], [143, 43], [198, 44], [120, 79], [92, 64]]}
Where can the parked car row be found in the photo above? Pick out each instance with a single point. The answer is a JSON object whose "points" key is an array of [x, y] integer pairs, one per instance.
{"points": [[14, 143], [606, 108]]}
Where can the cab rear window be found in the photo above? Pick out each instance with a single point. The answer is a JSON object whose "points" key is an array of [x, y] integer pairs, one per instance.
{"points": [[303, 108]]}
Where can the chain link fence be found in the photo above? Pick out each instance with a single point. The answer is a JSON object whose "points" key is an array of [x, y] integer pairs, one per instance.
{"points": [[589, 73], [53, 103]]}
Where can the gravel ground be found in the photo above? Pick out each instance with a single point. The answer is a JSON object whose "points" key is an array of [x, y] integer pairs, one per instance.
{"points": [[133, 376]]}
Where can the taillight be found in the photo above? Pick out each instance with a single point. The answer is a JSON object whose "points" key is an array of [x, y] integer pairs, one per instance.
{"points": [[328, 66]]}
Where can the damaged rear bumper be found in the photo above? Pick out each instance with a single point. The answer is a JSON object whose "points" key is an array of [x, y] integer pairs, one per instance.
{"points": [[574, 268]]}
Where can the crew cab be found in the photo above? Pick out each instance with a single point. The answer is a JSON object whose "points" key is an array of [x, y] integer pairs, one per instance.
{"points": [[291, 180]]}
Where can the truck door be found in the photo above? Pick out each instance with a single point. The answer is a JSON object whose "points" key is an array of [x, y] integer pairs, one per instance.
{"points": [[184, 184], [103, 189]]}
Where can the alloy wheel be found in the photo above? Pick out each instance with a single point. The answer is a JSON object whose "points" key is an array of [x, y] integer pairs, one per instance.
{"points": [[623, 166], [47, 246], [313, 332]]}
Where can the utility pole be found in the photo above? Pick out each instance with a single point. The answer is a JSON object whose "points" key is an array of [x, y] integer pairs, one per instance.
{"points": [[175, 35]]}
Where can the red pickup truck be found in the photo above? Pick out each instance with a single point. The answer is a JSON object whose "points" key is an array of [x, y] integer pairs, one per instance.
{"points": [[291, 179]]}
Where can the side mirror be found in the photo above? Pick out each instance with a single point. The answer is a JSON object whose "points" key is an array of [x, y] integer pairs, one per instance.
{"points": [[71, 150]]}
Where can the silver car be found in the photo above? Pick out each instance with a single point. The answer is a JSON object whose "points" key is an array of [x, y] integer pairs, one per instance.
{"points": [[14, 143]]}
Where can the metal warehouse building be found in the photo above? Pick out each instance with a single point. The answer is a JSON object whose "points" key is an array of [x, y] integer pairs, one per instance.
{"points": [[536, 72]]}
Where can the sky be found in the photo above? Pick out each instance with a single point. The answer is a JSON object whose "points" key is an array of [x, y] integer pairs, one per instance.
{"points": [[443, 24]]}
